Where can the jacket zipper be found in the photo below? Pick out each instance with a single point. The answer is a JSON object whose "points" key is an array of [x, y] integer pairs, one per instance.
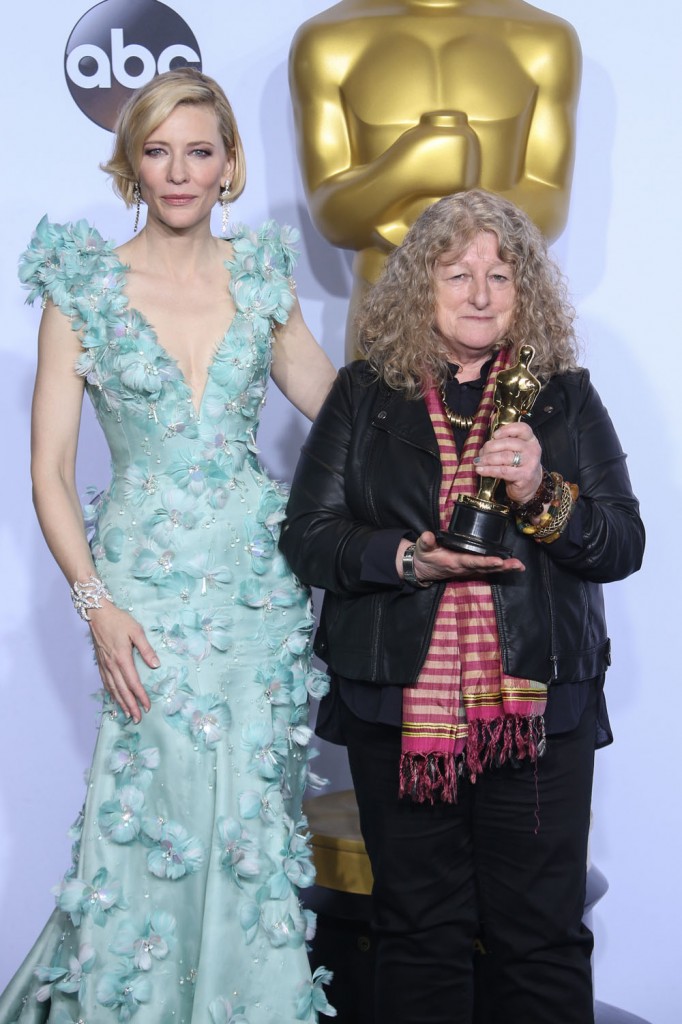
{"points": [[554, 657], [379, 616], [504, 646]]}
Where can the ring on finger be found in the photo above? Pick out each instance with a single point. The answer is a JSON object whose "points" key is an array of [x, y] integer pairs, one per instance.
{"points": [[516, 461]]}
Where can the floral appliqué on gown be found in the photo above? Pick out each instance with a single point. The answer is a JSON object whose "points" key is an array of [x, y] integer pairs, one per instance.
{"points": [[181, 904]]}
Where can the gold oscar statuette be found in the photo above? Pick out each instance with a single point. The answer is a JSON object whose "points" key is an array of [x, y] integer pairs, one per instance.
{"points": [[398, 103], [479, 523]]}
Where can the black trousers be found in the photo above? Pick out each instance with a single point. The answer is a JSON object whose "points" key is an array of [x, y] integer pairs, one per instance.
{"points": [[504, 868]]}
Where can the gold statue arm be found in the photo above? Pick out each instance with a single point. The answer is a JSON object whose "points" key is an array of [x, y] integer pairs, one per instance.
{"points": [[357, 205]]}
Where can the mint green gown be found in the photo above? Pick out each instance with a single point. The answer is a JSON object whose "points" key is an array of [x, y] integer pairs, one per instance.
{"points": [[181, 904]]}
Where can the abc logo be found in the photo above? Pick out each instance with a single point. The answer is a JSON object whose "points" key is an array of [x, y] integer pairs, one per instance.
{"points": [[118, 46]]}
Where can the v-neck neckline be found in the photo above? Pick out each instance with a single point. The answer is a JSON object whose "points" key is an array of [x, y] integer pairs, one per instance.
{"points": [[124, 270]]}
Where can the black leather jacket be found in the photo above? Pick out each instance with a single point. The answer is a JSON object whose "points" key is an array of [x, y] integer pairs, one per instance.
{"points": [[371, 463]]}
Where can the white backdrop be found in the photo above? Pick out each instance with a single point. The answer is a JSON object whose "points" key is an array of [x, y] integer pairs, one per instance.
{"points": [[621, 254]]}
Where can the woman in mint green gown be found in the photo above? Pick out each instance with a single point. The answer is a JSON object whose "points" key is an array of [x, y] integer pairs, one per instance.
{"points": [[181, 903]]}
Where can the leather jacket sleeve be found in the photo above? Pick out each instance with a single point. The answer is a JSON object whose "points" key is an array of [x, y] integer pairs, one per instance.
{"points": [[611, 531], [322, 539]]}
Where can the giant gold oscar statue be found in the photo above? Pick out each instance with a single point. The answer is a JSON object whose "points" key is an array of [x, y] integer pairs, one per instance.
{"points": [[400, 102]]}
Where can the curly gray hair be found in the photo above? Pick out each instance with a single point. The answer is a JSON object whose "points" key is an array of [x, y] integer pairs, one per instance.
{"points": [[396, 323]]}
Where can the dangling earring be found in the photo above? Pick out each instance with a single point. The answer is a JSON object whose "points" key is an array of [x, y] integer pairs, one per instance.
{"points": [[225, 206], [137, 197]]}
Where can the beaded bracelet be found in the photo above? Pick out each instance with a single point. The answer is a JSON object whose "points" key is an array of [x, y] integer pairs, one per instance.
{"points": [[534, 507], [89, 595], [552, 524], [551, 487], [552, 532]]}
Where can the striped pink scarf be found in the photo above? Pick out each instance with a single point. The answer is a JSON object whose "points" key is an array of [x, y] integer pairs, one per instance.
{"points": [[465, 713]]}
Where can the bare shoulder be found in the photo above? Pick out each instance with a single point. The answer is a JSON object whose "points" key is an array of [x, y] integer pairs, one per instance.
{"points": [[56, 325]]}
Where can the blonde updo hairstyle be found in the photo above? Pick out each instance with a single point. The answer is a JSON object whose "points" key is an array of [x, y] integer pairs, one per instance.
{"points": [[396, 325], [149, 107]]}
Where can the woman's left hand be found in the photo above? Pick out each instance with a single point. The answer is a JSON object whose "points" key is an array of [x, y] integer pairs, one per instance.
{"points": [[514, 455]]}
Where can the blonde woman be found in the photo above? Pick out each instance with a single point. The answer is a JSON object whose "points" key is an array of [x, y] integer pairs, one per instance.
{"points": [[181, 903]]}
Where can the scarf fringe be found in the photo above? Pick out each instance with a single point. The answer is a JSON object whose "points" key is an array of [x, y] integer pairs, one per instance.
{"points": [[431, 777]]}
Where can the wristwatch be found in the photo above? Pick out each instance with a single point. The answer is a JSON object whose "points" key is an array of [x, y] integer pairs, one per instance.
{"points": [[409, 574]]}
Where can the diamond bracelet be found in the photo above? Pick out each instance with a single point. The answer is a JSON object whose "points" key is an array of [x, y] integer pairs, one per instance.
{"points": [[89, 595]]}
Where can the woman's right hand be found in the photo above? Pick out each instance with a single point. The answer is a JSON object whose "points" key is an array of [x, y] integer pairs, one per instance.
{"points": [[115, 634], [432, 562]]}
